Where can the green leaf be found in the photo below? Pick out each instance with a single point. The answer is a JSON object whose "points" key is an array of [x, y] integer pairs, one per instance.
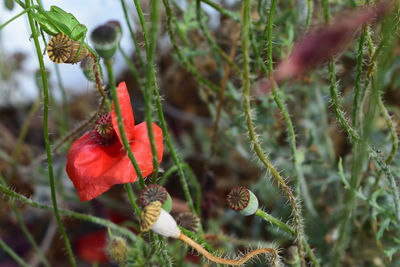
{"points": [[383, 226]]}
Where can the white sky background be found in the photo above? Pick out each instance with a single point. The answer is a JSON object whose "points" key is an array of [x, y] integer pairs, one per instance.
{"points": [[15, 38]]}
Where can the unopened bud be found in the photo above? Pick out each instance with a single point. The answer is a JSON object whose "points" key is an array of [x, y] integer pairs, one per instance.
{"points": [[105, 39], [88, 65], [117, 249]]}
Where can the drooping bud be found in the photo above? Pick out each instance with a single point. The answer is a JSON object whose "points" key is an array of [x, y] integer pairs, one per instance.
{"points": [[103, 131], [155, 192], [106, 37], [188, 221], [117, 249], [88, 65], [154, 218], [242, 200]]}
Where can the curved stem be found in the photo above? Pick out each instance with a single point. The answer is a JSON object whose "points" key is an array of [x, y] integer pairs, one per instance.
{"points": [[24, 229], [249, 121], [236, 262], [120, 123], [70, 213], [269, 218], [46, 134]]}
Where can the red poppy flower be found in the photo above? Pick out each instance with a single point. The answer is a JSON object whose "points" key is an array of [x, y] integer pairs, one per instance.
{"points": [[98, 160], [91, 247]]}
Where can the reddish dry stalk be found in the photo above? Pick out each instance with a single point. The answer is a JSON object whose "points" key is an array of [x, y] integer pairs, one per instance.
{"points": [[82, 126], [233, 262], [222, 92]]}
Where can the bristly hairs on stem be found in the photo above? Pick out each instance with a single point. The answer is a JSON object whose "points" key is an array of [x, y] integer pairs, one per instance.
{"points": [[296, 209], [46, 134]]}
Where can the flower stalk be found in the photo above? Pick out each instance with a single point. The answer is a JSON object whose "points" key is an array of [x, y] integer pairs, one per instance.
{"points": [[161, 222], [46, 134]]}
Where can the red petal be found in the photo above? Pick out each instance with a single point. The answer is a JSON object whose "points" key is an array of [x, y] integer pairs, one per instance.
{"points": [[91, 247], [94, 168], [126, 112], [142, 149]]}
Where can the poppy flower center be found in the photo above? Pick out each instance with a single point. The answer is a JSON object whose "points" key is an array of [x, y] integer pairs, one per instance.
{"points": [[104, 131]]}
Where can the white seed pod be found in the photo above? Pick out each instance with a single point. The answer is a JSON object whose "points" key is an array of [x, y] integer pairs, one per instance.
{"points": [[154, 218]]}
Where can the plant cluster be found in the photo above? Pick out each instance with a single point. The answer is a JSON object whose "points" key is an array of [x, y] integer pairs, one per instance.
{"points": [[282, 112]]}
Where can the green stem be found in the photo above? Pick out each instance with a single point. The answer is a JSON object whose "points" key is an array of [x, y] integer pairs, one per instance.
{"points": [[171, 21], [12, 254], [392, 130], [357, 88], [24, 229], [252, 133], [174, 155], [223, 11], [269, 218], [142, 22], [300, 183], [133, 36], [69, 213], [125, 142], [150, 82], [283, 226], [309, 14], [211, 41], [14, 18], [46, 135], [131, 66], [131, 197]]}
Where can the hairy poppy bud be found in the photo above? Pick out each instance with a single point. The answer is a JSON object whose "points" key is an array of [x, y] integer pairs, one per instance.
{"points": [[242, 200], [87, 66], [117, 249], [155, 192], [105, 38], [154, 218]]}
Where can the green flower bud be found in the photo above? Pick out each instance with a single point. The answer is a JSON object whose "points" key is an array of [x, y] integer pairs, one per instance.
{"points": [[117, 249], [242, 200], [87, 66], [105, 38]]}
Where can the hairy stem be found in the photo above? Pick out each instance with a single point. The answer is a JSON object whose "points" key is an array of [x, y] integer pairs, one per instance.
{"points": [[46, 134], [236, 262], [252, 133]]}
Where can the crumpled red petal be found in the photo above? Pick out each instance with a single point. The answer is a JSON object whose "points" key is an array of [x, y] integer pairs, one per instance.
{"points": [[91, 166], [126, 111], [94, 168]]}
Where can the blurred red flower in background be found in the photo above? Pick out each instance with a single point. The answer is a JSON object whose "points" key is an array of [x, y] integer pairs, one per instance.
{"points": [[91, 247], [98, 160]]}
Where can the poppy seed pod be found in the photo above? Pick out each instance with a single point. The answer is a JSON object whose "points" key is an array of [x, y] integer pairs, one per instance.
{"points": [[105, 39], [242, 200], [61, 49], [154, 218], [155, 192], [188, 221], [117, 249]]}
